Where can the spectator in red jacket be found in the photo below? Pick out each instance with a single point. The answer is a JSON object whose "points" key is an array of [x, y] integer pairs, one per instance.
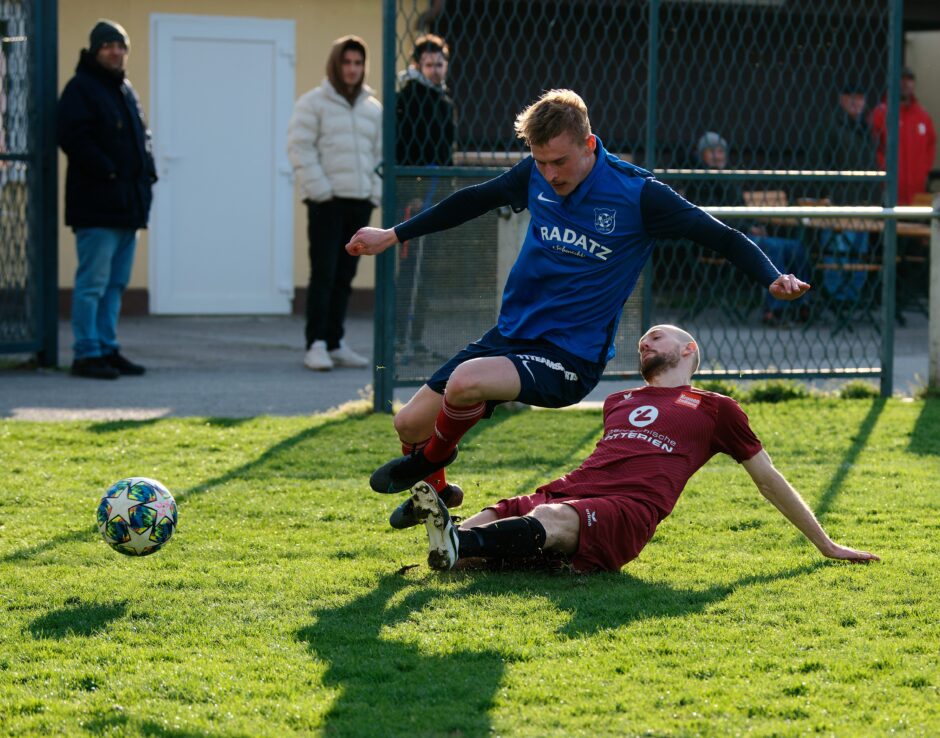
{"points": [[917, 142]]}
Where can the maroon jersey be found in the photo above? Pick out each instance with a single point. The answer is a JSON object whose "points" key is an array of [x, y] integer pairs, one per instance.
{"points": [[655, 439]]}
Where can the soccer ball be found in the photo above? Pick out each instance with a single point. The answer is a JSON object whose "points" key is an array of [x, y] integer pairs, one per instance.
{"points": [[137, 516]]}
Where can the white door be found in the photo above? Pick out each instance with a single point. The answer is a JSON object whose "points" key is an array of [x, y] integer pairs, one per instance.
{"points": [[221, 237]]}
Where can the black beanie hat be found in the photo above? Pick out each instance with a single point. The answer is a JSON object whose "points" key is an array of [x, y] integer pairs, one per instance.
{"points": [[106, 31]]}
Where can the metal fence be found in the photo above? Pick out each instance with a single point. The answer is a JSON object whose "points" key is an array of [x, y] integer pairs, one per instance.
{"points": [[28, 279], [767, 78]]}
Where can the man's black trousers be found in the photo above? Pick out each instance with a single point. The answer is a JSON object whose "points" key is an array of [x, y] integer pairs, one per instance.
{"points": [[330, 225]]}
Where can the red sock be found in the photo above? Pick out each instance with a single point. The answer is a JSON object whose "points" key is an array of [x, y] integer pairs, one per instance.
{"points": [[450, 426], [437, 479]]}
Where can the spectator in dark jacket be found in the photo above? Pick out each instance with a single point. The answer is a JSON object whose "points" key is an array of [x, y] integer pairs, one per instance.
{"points": [[423, 109], [425, 137], [108, 182], [847, 143]]}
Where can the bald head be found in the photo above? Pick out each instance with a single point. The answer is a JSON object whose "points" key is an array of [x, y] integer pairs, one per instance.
{"points": [[668, 354]]}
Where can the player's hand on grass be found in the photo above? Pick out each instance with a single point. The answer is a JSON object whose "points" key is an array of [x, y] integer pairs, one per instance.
{"points": [[788, 287], [843, 553], [370, 241]]}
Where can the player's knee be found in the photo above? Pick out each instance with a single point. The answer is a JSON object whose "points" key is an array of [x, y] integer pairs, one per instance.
{"points": [[410, 426], [562, 526], [464, 387]]}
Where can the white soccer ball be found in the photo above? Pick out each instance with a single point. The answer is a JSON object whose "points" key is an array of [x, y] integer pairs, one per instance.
{"points": [[137, 516]]}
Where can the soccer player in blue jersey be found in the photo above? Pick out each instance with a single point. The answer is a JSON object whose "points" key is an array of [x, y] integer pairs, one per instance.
{"points": [[594, 219]]}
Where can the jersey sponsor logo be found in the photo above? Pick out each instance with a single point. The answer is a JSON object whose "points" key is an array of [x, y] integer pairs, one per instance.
{"points": [[542, 198], [590, 516], [570, 376], [652, 437], [688, 400], [605, 220], [573, 238], [628, 396], [643, 416]]}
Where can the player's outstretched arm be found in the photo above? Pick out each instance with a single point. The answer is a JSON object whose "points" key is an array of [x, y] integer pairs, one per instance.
{"points": [[787, 500], [788, 287], [371, 241]]}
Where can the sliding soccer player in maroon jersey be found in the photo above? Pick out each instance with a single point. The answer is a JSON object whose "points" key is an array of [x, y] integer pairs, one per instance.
{"points": [[602, 514]]}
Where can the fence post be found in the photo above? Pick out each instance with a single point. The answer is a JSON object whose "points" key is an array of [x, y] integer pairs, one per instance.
{"points": [[933, 323], [383, 342], [889, 262], [43, 234]]}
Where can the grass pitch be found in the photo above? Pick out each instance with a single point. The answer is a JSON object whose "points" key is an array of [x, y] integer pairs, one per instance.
{"points": [[283, 605]]}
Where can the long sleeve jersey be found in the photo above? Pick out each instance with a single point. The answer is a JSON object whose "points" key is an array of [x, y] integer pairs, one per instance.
{"points": [[584, 252]]}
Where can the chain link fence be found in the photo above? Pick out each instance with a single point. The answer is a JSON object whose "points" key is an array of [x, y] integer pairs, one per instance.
{"points": [[731, 102], [27, 187]]}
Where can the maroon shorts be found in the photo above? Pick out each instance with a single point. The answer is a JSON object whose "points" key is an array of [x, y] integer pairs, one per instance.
{"points": [[614, 529]]}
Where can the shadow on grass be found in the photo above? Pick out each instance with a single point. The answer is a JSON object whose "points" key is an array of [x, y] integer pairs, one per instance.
{"points": [[126, 725], [925, 438], [115, 426], [287, 456], [282, 448], [390, 688], [615, 600], [859, 441], [383, 682], [77, 619]]}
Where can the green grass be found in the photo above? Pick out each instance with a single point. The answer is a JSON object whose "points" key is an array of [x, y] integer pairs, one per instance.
{"points": [[282, 606]]}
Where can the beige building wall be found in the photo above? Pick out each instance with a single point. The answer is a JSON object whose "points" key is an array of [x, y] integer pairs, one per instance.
{"points": [[318, 22], [923, 56]]}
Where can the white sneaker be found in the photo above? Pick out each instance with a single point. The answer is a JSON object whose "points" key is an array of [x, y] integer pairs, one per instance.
{"points": [[317, 358], [345, 356], [442, 537]]}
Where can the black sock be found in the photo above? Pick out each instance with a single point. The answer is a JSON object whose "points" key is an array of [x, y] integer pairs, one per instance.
{"points": [[507, 538]]}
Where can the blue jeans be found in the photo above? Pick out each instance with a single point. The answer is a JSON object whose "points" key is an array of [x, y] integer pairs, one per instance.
{"points": [[789, 256], [105, 257], [844, 248]]}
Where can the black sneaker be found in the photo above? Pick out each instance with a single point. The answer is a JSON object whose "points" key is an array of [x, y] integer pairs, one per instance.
{"points": [[404, 516], [94, 367], [123, 365], [405, 472]]}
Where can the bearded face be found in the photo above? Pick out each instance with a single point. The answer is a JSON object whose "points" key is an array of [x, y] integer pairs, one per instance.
{"points": [[654, 363]]}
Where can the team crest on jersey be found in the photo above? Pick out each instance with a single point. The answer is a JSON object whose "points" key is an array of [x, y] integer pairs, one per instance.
{"points": [[605, 219]]}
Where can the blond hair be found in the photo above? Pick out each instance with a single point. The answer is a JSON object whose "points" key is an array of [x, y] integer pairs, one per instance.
{"points": [[554, 113]]}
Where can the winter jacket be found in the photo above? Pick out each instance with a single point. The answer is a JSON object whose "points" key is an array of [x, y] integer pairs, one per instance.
{"points": [[334, 147], [425, 116], [847, 144], [917, 146], [101, 129]]}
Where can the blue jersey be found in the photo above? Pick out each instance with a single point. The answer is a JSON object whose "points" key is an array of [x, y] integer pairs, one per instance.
{"points": [[584, 252], [580, 260]]}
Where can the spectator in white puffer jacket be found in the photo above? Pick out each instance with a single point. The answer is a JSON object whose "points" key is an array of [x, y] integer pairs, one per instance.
{"points": [[334, 143]]}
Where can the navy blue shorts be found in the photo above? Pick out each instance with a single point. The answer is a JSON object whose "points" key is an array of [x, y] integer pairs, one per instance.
{"points": [[550, 376]]}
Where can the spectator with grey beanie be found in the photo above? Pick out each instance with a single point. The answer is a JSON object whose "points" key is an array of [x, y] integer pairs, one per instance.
{"points": [[108, 183]]}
